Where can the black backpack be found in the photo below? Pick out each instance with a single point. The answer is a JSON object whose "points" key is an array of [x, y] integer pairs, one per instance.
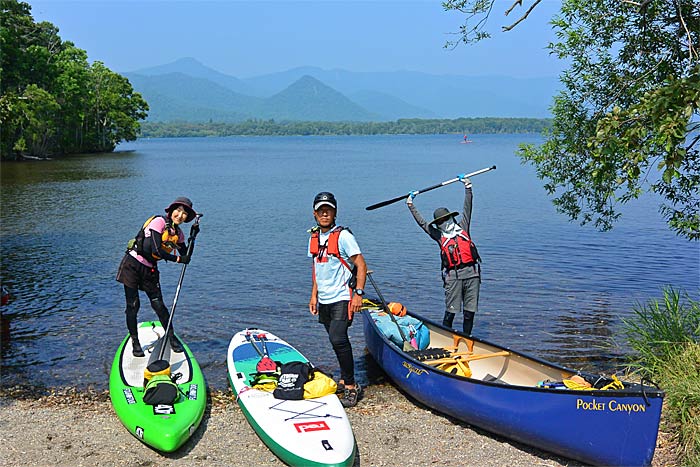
{"points": [[293, 376], [161, 390], [159, 387]]}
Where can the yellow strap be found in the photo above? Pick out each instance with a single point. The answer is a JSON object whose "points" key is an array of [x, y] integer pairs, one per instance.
{"points": [[616, 384], [576, 386], [462, 369], [368, 304], [145, 224]]}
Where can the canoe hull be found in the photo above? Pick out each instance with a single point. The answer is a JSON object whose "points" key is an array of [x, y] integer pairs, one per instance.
{"points": [[163, 427], [596, 427]]}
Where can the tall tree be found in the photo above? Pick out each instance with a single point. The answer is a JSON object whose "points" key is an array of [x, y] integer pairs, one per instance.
{"points": [[628, 118], [114, 108], [72, 86], [35, 117], [52, 101]]}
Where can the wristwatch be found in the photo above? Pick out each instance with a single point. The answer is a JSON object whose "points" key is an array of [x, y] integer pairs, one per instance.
{"points": [[359, 292]]}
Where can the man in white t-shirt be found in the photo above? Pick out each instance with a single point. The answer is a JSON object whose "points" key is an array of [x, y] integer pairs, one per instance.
{"points": [[339, 274]]}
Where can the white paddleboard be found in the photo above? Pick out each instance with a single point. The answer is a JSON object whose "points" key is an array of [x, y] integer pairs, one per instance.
{"points": [[309, 432]]}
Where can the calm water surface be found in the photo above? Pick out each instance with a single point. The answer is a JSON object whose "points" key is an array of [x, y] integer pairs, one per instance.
{"points": [[550, 287]]}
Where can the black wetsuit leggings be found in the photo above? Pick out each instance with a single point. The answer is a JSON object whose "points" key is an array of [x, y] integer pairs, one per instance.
{"points": [[133, 304], [334, 318]]}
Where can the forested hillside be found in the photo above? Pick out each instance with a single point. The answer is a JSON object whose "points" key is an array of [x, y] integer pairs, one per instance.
{"points": [[52, 101]]}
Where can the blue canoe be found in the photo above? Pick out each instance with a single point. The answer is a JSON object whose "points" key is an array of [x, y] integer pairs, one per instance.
{"points": [[506, 395]]}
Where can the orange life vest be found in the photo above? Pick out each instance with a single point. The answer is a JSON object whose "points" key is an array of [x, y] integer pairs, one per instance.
{"points": [[330, 248], [168, 239], [331, 245]]}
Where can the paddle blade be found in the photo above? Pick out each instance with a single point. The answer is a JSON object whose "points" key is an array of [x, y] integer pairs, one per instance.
{"points": [[386, 203]]}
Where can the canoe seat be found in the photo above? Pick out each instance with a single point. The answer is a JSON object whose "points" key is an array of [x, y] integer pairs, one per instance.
{"points": [[493, 379], [432, 353], [467, 357], [456, 340]]}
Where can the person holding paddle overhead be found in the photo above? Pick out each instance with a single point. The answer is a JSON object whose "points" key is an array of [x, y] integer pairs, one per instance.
{"points": [[461, 271], [155, 241], [339, 274]]}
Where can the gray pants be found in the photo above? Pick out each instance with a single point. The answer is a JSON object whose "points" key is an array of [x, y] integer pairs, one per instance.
{"points": [[461, 294]]}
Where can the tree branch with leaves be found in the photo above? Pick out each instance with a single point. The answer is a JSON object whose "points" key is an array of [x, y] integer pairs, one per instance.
{"points": [[628, 119], [480, 11]]}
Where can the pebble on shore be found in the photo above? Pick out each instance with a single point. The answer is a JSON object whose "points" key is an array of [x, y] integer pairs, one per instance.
{"points": [[70, 427]]}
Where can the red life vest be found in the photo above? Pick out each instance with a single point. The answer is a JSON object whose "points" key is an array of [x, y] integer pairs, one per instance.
{"points": [[331, 247], [456, 252]]}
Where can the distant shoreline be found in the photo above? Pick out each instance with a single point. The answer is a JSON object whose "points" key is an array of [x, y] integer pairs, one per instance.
{"points": [[460, 126]]}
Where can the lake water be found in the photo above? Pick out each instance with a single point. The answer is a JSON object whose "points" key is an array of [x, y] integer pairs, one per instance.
{"points": [[550, 287]]}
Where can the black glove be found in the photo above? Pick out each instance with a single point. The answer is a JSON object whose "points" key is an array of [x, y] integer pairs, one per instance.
{"points": [[183, 259], [194, 230]]}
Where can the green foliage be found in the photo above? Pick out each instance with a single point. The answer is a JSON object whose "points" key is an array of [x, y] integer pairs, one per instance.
{"points": [[681, 381], [627, 121], [477, 10], [51, 100], [665, 338], [658, 331], [35, 118], [402, 126]]}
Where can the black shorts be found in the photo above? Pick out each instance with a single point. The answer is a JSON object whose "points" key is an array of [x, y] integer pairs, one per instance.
{"points": [[133, 274], [337, 311]]}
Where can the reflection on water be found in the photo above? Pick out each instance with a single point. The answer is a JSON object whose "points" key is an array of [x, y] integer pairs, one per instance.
{"points": [[550, 288]]}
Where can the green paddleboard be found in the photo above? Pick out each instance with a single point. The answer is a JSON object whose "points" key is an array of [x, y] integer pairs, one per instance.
{"points": [[163, 427]]}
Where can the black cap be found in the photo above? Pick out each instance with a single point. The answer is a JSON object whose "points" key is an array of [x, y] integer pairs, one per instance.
{"points": [[325, 198]]}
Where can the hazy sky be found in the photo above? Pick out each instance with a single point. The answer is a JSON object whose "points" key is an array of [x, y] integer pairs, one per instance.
{"points": [[248, 38]]}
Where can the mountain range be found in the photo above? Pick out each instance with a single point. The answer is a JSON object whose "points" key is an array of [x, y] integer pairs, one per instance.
{"points": [[186, 90]]}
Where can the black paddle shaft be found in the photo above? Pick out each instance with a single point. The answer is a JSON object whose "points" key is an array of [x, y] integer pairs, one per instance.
{"points": [[190, 248], [446, 182], [386, 307]]}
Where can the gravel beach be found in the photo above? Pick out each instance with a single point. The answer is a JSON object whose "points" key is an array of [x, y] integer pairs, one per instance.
{"points": [[79, 428]]}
